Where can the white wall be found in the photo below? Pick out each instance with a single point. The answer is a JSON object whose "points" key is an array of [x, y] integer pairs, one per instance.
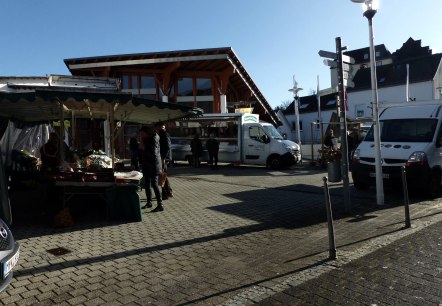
{"points": [[306, 119], [359, 103], [361, 100], [438, 84]]}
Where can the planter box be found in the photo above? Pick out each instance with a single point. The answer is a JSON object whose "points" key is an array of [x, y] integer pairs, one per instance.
{"points": [[334, 171]]}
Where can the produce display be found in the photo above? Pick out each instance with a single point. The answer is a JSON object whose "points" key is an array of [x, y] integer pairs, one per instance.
{"points": [[90, 166]]}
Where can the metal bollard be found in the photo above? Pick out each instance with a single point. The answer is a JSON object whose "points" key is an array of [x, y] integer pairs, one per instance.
{"points": [[331, 232], [406, 200]]}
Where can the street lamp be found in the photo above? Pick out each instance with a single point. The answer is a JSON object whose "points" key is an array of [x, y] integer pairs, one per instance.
{"points": [[295, 91], [370, 9]]}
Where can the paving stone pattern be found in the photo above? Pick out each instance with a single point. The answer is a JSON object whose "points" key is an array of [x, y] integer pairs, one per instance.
{"points": [[406, 272], [233, 236]]}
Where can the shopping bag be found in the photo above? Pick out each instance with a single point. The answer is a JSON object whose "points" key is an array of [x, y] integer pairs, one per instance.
{"points": [[162, 179]]}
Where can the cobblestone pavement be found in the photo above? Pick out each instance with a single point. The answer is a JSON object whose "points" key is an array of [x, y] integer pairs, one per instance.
{"points": [[406, 272], [233, 236]]}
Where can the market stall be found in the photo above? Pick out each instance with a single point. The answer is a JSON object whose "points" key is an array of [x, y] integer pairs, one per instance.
{"points": [[46, 105]]}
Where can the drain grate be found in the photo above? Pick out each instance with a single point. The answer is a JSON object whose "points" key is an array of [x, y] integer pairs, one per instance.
{"points": [[58, 251]]}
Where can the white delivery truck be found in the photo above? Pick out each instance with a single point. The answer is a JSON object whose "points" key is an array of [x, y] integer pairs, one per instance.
{"points": [[411, 136], [243, 139]]}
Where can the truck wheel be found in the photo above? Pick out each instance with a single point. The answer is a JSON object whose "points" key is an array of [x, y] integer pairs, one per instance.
{"points": [[434, 185], [275, 163]]}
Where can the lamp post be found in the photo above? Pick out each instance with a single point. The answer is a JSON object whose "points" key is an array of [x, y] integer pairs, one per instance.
{"points": [[295, 91], [370, 9]]}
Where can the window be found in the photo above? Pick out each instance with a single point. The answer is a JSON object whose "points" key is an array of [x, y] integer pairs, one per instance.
{"points": [[331, 102], [125, 81], [130, 83], [303, 106], [134, 83], [256, 133], [203, 87], [147, 81], [272, 132], [148, 89], [185, 87], [294, 125], [407, 130]]}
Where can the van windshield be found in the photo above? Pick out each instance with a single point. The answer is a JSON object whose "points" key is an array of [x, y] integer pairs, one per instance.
{"points": [[409, 130], [272, 132]]}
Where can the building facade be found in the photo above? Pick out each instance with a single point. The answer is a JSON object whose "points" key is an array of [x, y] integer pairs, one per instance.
{"points": [[410, 73], [211, 79]]}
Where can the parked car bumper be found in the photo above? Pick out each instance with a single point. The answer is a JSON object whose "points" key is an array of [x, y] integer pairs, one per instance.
{"points": [[9, 255], [417, 177], [289, 159]]}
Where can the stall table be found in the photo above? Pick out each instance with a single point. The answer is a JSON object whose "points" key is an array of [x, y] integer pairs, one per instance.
{"points": [[122, 200]]}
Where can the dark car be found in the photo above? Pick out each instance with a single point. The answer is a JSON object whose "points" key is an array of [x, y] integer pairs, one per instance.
{"points": [[9, 254], [9, 249]]}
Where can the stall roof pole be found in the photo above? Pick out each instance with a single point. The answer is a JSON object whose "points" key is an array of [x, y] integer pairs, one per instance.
{"points": [[112, 134], [61, 140], [74, 130]]}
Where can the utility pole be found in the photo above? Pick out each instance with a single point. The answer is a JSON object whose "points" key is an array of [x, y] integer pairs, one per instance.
{"points": [[295, 91], [343, 125], [342, 64]]}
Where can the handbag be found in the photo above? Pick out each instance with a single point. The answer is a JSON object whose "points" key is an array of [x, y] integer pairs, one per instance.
{"points": [[162, 179]]}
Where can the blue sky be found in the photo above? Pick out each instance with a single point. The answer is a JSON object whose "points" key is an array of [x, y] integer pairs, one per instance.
{"points": [[273, 39]]}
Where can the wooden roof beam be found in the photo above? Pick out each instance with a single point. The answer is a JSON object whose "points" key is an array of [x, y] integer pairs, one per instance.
{"points": [[222, 80], [164, 78]]}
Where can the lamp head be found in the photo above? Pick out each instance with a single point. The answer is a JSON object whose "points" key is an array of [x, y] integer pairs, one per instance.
{"points": [[370, 7]]}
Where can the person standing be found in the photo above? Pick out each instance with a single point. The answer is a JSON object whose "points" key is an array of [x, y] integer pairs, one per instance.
{"points": [[212, 146], [50, 161], [50, 154], [329, 140], [165, 144], [197, 150], [151, 166], [134, 148], [166, 156]]}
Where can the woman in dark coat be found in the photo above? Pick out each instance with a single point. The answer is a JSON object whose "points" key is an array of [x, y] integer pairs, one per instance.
{"points": [[197, 150], [212, 146], [166, 156], [151, 165]]}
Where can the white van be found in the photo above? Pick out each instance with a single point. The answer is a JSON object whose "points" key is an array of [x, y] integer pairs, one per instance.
{"points": [[411, 135], [242, 137]]}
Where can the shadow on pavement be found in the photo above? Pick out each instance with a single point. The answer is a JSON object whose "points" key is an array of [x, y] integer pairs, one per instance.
{"points": [[321, 262]]}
